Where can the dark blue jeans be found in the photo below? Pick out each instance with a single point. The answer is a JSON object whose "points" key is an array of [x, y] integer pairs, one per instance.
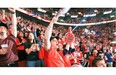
{"points": [[37, 63]]}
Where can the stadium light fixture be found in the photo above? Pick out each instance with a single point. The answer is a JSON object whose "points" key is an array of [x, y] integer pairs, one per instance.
{"points": [[74, 16], [53, 14], [59, 15], [96, 10], [92, 15], [84, 20], [67, 13], [89, 15], [112, 16], [79, 13], [62, 15], [41, 10], [107, 12]]}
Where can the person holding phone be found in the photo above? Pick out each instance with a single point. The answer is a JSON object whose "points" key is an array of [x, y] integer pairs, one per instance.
{"points": [[32, 49]]}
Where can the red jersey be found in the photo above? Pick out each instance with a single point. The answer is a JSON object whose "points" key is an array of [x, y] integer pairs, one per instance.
{"points": [[66, 59], [53, 59]]}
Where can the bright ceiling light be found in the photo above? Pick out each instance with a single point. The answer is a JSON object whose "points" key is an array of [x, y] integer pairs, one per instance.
{"points": [[96, 10], [107, 12], [79, 13], [41, 10], [74, 16]]}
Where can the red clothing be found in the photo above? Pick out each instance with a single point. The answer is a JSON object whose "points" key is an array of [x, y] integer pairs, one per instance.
{"points": [[11, 55], [81, 56], [76, 58], [20, 47], [41, 53], [77, 48], [4, 20], [90, 60], [60, 42], [53, 59], [67, 62]]}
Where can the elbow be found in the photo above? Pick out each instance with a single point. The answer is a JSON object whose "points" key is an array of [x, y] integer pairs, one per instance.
{"points": [[28, 51], [47, 48]]}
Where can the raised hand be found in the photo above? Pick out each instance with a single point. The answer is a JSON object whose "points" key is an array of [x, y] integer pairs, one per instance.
{"points": [[11, 9], [55, 18]]}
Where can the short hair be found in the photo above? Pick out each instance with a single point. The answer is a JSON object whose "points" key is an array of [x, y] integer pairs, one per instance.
{"points": [[100, 52], [96, 59], [52, 37], [3, 24]]}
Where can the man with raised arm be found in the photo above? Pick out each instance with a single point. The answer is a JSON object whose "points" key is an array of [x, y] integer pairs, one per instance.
{"points": [[8, 53], [51, 56]]}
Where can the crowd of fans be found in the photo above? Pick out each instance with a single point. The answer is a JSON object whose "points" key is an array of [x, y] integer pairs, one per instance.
{"points": [[92, 44], [48, 15]]}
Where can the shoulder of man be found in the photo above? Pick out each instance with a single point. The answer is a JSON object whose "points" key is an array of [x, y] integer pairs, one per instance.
{"points": [[11, 37]]}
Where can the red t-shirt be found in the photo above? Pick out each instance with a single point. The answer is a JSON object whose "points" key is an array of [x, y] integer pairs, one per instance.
{"points": [[53, 59], [20, 47], [66, 59], [41, 52]]}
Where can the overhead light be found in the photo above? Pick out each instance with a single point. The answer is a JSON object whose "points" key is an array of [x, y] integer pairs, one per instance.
{"points": [[92, 15], [111, 16], [89, 15], [74, 16], [79, 13], [67, 13], [62, 20], [95, 10], [41, 10], [84, 20], [59, 15], [86, 16], [53, 13], [62, 15], [107, 12]]}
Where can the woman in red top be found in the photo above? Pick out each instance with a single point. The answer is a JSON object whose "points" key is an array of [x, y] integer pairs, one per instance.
{"points": [[21, 52]]}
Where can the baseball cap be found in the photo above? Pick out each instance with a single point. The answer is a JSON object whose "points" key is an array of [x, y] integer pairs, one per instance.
{"points": [[3, 24]]}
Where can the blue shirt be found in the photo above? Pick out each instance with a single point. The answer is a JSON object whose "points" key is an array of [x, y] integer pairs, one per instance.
{"points": [[109, 59]]}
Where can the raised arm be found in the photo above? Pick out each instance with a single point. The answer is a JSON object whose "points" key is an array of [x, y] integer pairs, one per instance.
{"points": [[48, 32], [14, 22], [3, 14]]}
